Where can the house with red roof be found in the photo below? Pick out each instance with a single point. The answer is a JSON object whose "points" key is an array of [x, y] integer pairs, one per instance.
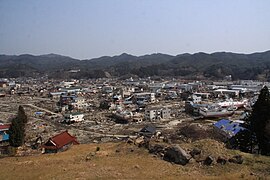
{"points": [[59, 143]]}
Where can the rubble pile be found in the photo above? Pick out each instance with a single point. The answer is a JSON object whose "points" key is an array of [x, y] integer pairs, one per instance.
{"points": [[182, 154]]}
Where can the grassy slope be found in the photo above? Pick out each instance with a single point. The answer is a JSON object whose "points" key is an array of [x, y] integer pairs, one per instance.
{"points": [[108, 164]]}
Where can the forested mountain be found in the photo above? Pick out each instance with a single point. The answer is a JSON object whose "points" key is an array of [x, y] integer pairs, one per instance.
{"points": [[198, 65]]}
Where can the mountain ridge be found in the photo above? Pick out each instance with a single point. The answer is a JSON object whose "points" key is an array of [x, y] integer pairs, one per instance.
{"points": [[205, 65]]}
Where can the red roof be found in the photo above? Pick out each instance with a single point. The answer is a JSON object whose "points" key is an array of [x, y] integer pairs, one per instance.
{"points": [[4, 126], [61, 140]]}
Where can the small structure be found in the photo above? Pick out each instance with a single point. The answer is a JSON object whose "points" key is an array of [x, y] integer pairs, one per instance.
{"points": [[79, 103], [229, 128], [74, 117], [107, 89], [148, 130], [145, 97], [157, 113], [3, 83], [230, 93], [123, 117], [215, 112], [4, 136], [55, 95], [195, 99], [193, 109], [59, 143]]}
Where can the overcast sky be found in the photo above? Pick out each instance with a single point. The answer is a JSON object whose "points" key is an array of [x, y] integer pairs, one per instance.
{"points": [[92, 28]]}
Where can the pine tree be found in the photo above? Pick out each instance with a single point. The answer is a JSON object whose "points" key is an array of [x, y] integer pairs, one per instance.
{"points": [[260, 121], [17, 128], [22, 115], [16, 133]]}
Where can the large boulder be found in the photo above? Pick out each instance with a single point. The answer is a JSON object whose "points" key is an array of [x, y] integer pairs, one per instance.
{"points": [[209, 160], [221, 160], [157, 149], [238, 159], [176, 155], [130, 141], [195, 152]]}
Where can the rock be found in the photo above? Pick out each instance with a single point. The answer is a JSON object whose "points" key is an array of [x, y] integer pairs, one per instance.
{"points": [[90, 156], [117, 150], [176, 155], [130, 141], [137, 166], [192, 161], [157, 149], [195, 152], [142, 142], [209, 160], [87, 129], [139, 141], [221, 160], [238, 159]]}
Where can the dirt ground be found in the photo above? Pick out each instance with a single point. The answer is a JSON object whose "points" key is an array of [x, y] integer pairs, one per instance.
{"points": [[124, 161]]}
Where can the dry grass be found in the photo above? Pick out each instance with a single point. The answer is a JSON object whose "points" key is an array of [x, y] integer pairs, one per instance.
{"points": [[129, 163]]}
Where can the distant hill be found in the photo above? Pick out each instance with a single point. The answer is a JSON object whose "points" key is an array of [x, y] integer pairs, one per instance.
{"points": [[198, 65]]}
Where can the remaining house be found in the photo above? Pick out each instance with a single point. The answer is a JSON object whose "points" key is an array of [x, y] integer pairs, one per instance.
{"points": [[67, 84], [203, 95], [56, 94], [67, 100], [185, 87], [171, 95], [4, 136], [230, 93], [107, 89], [59, 143], [144, 97], [155, 87], [3, 83], [131, 82], [73, 89], [195, 99], [229, 128], [193, 109], [74, 117], [2, 94], [79, 103], [156, 113], [148, 130], [122, 117]]}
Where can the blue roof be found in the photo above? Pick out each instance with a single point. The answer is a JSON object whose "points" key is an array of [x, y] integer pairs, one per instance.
{"points": [[228, 126]]}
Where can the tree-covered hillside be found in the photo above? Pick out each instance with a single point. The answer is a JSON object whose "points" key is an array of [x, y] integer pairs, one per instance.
{"points": [[202, 65]]}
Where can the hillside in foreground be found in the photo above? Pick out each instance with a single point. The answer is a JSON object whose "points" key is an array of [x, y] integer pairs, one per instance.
{"points": [[126, 161]]}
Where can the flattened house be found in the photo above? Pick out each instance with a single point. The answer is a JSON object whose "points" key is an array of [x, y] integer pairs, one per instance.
{"points": [[59, 143]]}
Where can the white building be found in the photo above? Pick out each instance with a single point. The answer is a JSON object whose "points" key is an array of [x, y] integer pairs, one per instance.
{"points": [[67, 84], [157, 113], [234, 93], [74, 117], [80, 103], [145, 96], [195, 99]]}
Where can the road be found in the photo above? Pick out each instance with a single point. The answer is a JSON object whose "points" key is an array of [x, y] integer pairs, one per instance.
{"points": [[41, 109]]}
